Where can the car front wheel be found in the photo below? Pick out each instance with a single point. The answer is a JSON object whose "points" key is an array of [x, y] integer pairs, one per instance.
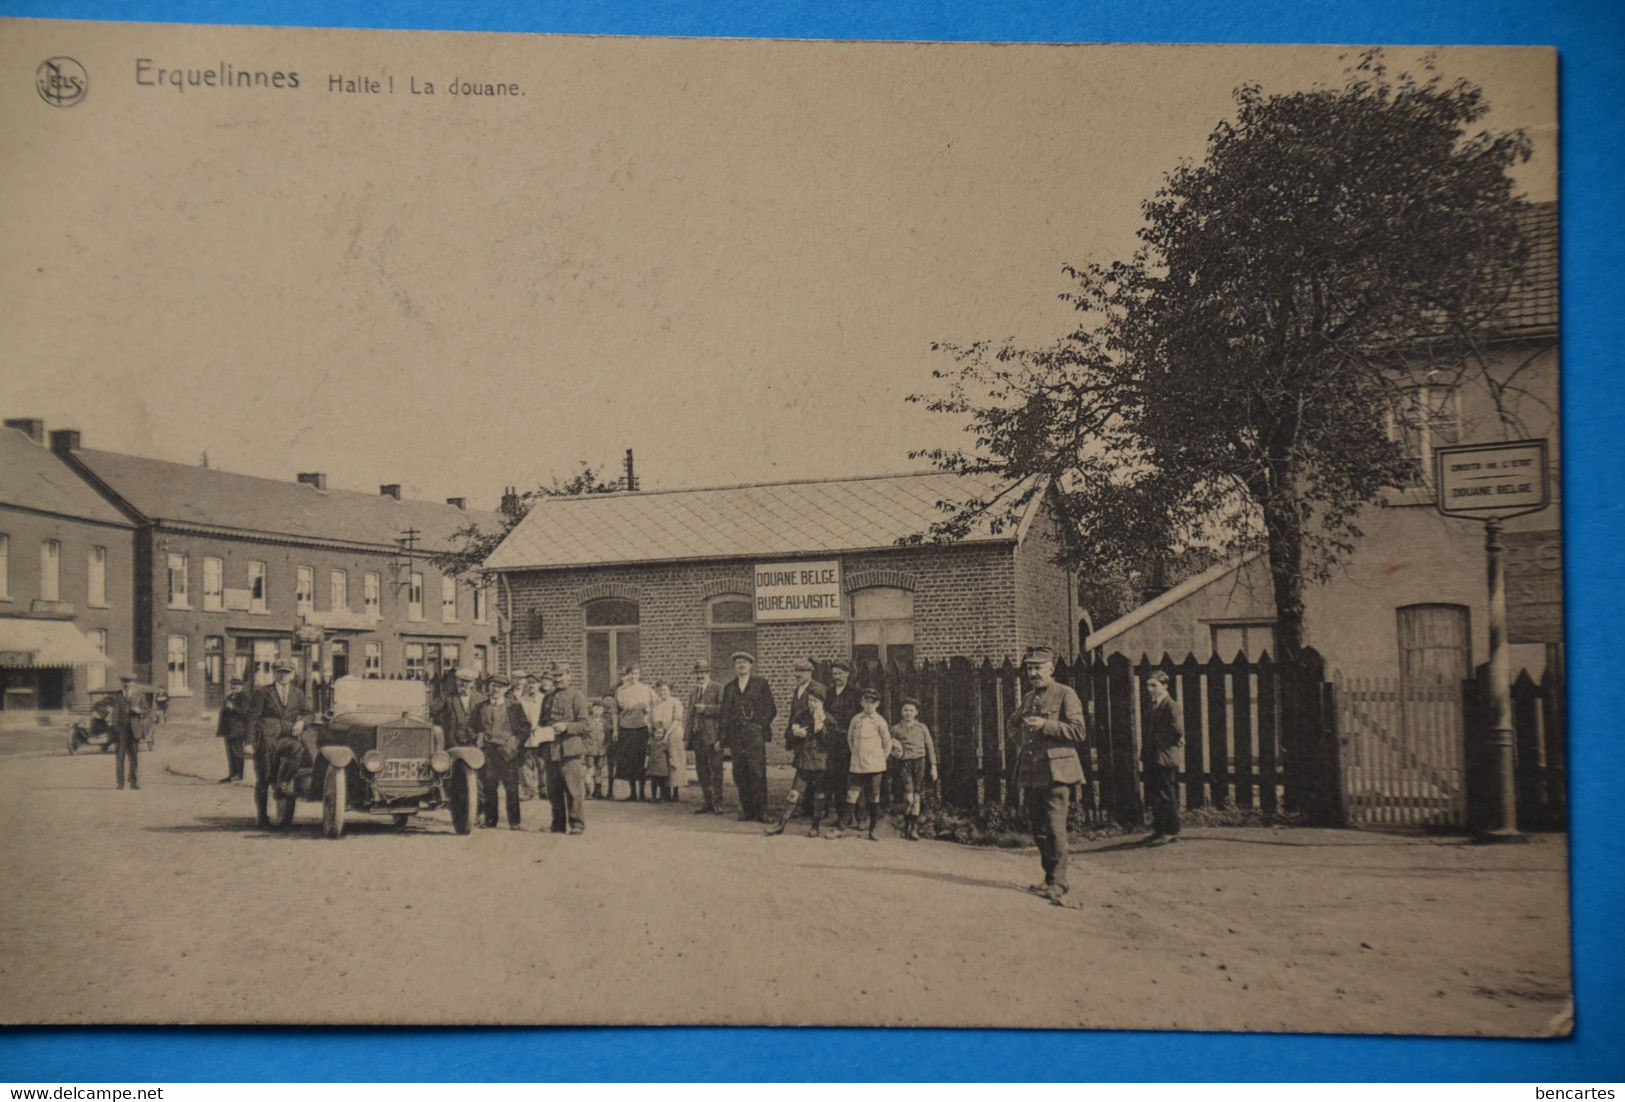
{"points": [[335, 795], [464, 798]]}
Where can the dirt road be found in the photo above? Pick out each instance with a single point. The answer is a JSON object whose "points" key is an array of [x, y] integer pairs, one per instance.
{"points": [[165, 905]]}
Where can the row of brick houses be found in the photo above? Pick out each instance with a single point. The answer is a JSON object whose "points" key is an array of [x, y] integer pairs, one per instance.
{"points": [[797, 569], [211, 575]]}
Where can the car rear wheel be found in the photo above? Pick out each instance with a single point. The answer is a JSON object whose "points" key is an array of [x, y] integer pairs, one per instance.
{"points": [[335, 795], [464, 798]]}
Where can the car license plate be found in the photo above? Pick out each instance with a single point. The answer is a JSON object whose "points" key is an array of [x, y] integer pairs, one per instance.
{"points": [[400, 769]]}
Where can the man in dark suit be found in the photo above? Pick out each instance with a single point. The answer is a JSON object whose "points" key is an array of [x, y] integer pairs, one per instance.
{"points": [[277, 714], [1051, 722], [1163, 755], [232, 726], [843, 702], [798, 712], [704, 734], [455, 715], [126, 719], [747, 725], [503, 729]]}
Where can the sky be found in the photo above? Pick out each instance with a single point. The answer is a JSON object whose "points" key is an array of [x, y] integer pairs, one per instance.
{"points": [[730, 256]]}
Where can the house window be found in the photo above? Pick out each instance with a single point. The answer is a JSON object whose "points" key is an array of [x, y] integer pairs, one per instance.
{"points": [[612, 642], [1429, 417], [1250, 640], [177, 666], [214, 584], [374, 657], [338, 590], [50, 571], [97, 567], [257, 595], [5, 567], [414, 597], [883, 624], [448, 600], [480, 595], [214, 670], [96, 675], [414, 661], [304, 590], [1435, 645], [369, 596], [731, 627], [338, 657], [180, 595]]}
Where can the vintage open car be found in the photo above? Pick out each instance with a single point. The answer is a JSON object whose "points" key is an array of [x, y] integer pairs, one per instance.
{"points": [[378, 753], [93, 729]]}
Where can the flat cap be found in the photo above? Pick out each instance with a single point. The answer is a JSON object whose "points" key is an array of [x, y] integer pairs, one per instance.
{"points": [[870, 694], [841, 664], [1038, 654], [746, 655], [520, 675], [498, 679], [802, 665], [279, 666], [126, 678], [702, 667], [817, 692], [466, 674]]}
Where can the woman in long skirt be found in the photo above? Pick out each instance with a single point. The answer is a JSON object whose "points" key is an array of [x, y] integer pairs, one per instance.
{"points": [[633, 702]]}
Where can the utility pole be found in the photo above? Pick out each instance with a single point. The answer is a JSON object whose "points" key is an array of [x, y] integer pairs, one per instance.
{"points": [[631, 474]]}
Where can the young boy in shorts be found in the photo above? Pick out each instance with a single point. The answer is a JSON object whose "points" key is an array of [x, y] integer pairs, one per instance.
{"points": [[916, 754], [869, 739]]}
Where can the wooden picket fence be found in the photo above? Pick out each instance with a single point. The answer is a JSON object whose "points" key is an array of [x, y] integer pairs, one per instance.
{"points": [[1540, 750], [1259, 735], [1404, 752]]}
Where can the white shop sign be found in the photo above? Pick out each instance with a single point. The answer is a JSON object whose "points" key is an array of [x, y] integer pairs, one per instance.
{"points": [[798, 591]]}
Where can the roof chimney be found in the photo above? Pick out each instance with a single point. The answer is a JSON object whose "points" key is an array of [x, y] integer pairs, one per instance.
{"points": [[459, 502], [33, 426], [510, 503], [317, 479], [64, 440], [392, 489]]}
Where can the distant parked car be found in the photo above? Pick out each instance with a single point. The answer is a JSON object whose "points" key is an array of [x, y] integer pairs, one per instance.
{"points": [[93, 729], [379, 754]]}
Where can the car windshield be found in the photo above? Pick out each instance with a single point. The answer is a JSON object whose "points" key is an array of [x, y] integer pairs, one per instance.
{"points": [[355, 694]]}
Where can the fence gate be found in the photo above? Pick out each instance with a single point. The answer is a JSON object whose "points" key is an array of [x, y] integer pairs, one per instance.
{"points": [[1404, 751]]}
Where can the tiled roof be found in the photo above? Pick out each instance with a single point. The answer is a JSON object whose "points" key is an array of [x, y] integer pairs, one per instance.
{"points": [[762, 521], [208, 497], [32, 477], [1532, 304]]}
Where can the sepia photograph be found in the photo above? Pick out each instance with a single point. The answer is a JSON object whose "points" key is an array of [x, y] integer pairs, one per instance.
{"points": [[565, 530]]}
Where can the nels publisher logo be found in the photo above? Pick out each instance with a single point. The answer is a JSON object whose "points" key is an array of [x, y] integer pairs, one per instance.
{"points": [[61, 81]]}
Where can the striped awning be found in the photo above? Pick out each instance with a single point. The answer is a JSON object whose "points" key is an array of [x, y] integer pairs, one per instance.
{"points": [[46, 644]]}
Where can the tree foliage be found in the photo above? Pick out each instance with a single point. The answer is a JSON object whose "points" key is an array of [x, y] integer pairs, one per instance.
{"points": [[471, 544], [1233, 384]]}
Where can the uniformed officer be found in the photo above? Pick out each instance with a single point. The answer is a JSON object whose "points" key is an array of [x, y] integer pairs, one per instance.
{"points": [[569, 726], [1051, 722]]}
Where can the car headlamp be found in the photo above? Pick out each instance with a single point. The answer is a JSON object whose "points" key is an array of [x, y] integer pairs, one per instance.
{"points": [[372, 761], [440, 762]]}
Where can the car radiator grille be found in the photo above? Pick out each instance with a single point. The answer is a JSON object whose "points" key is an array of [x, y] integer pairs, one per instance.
{"points": [[405, 742]]}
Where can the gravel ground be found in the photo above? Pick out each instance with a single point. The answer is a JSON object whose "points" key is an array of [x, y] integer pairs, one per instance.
{"points": [[166, 905]]}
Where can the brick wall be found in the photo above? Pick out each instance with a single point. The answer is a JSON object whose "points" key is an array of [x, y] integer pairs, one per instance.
{"points": [[1046, 612], [964, 604]]}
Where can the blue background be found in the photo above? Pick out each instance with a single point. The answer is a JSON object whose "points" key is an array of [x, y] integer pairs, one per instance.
{"points": [[1592, 66]]}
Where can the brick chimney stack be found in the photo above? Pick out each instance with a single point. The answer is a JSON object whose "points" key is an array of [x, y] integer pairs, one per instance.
{"points": [[64, 440], [318, 479], [459, 502], [391, 489], [33, 426]]}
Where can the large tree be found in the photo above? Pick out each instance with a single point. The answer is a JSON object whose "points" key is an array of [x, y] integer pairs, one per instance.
{"points": [[1233, 384]]}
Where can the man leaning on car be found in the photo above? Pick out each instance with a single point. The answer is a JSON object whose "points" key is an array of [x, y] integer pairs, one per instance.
{"points": [[277, 714]]}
